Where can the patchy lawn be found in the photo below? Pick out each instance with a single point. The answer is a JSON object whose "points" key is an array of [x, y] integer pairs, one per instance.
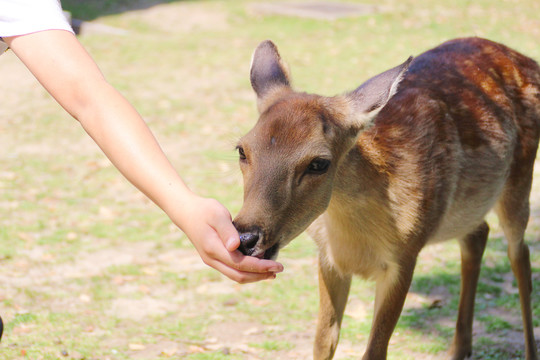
{"points": [[90, 269]]}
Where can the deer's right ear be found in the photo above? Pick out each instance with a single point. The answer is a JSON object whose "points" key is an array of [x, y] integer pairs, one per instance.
{"points": [[269, 75]]}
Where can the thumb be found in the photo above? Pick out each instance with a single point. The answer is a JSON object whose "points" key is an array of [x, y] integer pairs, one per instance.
{"points": [[227, 232], [230, 237]]}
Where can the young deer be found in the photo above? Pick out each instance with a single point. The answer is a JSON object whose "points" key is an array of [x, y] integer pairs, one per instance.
{"points": [[416, 155]]}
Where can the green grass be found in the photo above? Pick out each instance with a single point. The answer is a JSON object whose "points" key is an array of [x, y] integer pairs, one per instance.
{"points": [[273, 345], [68, 220]]}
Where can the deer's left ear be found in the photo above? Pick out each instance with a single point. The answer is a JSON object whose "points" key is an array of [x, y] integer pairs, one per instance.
{"points": [[368, 99], [269, 76]]}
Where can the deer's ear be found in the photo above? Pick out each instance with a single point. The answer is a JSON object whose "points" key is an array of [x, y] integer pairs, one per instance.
{"points": [[269, 75], [368, 99]]}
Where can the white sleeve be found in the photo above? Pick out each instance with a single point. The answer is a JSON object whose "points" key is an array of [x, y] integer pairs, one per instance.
{"points": [[20, 17]]}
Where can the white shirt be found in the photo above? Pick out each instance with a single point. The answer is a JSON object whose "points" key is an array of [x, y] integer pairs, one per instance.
{"points": [[20, 17]]}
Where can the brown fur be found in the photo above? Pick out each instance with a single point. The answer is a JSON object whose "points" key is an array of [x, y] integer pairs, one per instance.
{"points": [[426, 164]]}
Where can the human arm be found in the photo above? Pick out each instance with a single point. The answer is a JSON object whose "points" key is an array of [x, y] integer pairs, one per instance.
{"points": [[68, 73]]}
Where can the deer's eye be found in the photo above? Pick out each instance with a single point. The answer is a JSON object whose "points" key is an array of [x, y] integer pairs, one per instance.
{"points": [[241, 153], [318, 166]]}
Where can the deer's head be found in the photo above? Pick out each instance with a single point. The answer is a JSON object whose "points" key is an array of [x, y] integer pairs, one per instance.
{"points": [[289, 159]]}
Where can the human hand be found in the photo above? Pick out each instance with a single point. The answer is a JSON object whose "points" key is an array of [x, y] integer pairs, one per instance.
{"points": [[208, 225]]}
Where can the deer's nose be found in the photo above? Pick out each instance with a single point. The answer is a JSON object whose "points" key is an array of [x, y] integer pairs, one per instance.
{"points": [[248, 241]]}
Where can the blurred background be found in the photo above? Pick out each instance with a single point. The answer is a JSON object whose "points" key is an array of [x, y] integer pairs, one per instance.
{"points": [[90, 269]]}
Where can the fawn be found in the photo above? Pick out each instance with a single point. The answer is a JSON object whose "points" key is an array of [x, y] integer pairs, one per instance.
{"points": [[415, 155]]}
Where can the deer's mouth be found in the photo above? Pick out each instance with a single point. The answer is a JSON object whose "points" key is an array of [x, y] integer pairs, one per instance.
{"points": [[268, 254]]}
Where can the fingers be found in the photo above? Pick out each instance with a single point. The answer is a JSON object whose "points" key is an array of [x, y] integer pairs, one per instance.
{"points": [[224, 227], [222, 260], [236, 260], [236, 266], [228, 234], [215, 250], [232, 243], [216, 240], [253, 264], [241, 276]]}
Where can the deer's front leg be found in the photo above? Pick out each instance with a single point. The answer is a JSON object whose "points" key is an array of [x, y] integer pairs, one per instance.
{"points": [[391, 290], [333, 291]]}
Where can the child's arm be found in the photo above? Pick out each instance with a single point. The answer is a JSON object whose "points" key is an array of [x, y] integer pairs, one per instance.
{"points": [[68, 73]]}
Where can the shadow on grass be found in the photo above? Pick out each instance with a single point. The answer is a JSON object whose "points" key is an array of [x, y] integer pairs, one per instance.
{"points": [[498, 330], [90, 10]]}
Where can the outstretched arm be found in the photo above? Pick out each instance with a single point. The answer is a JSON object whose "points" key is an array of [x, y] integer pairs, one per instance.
{"points": [[68, 73]]}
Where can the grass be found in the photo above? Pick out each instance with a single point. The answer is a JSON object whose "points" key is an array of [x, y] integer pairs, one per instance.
{"points": [[88, 266]]}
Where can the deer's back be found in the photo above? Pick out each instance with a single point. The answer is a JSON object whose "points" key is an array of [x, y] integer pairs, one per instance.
{"points": [[465, 119]]}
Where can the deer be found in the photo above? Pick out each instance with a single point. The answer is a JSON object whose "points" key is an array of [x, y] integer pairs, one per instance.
{"points": [[416, 155]]}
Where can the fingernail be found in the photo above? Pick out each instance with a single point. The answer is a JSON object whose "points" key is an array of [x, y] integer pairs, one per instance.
{"points": [[275, 269], [271, 277], [230, 244]]}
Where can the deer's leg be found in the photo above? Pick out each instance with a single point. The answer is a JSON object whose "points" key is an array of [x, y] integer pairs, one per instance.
{"points": [[513, 212], [333, 292], [391, 290], [472, 249]]}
